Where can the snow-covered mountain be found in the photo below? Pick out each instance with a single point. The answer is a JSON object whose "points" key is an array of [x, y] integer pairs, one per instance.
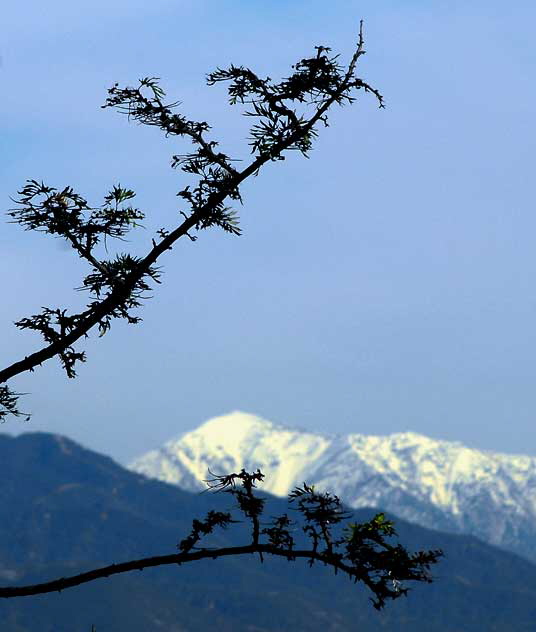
{"points": [[437, 484]]}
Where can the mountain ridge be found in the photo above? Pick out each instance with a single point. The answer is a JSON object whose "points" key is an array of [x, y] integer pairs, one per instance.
{"points": [[66, 509], [435, 483]]}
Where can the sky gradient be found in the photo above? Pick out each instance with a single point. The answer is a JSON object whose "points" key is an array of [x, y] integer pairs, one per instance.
{"points": [[383, 285]]}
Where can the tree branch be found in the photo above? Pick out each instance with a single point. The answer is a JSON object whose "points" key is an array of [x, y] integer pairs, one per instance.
{"points": [[362, 554], [62, 583], [124, 280]]}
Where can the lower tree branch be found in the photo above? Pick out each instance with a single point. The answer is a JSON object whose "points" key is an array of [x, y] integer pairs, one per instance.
{"points": [[363, 554], [57, 585]]}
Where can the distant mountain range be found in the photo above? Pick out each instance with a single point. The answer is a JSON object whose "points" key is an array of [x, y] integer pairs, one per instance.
{"points": [[65, 509], [437, 484]]}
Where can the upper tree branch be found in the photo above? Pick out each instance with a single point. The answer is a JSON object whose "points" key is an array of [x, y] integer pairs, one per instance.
{"points": [[318, 75]]}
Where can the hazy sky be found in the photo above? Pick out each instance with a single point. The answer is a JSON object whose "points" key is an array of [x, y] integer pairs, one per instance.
{"points": [[385, 284]]}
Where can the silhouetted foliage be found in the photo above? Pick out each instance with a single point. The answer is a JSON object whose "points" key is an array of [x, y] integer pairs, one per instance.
{"points": [[117, 287], [361, 551]]}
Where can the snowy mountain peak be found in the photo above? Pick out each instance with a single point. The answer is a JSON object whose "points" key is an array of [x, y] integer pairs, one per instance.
{"points": [[439, 484], [229, 442], [236, 423], [239, 426]]}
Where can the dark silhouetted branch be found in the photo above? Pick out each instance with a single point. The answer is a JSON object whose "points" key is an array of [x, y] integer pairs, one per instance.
{"points": [[118, 286], [361, 552]]}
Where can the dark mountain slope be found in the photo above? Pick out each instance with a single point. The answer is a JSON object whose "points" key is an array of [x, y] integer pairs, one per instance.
{"points": [[65, 509]]}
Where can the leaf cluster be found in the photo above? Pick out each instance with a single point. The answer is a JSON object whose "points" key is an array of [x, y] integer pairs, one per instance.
{"points": [[144, 104], [250, 505], [8, 404], [318, 81], [66, 214], [204, 527], [364, 552]]}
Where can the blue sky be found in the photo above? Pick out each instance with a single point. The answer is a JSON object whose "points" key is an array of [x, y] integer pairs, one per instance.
{"points": [[383, 285]]}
